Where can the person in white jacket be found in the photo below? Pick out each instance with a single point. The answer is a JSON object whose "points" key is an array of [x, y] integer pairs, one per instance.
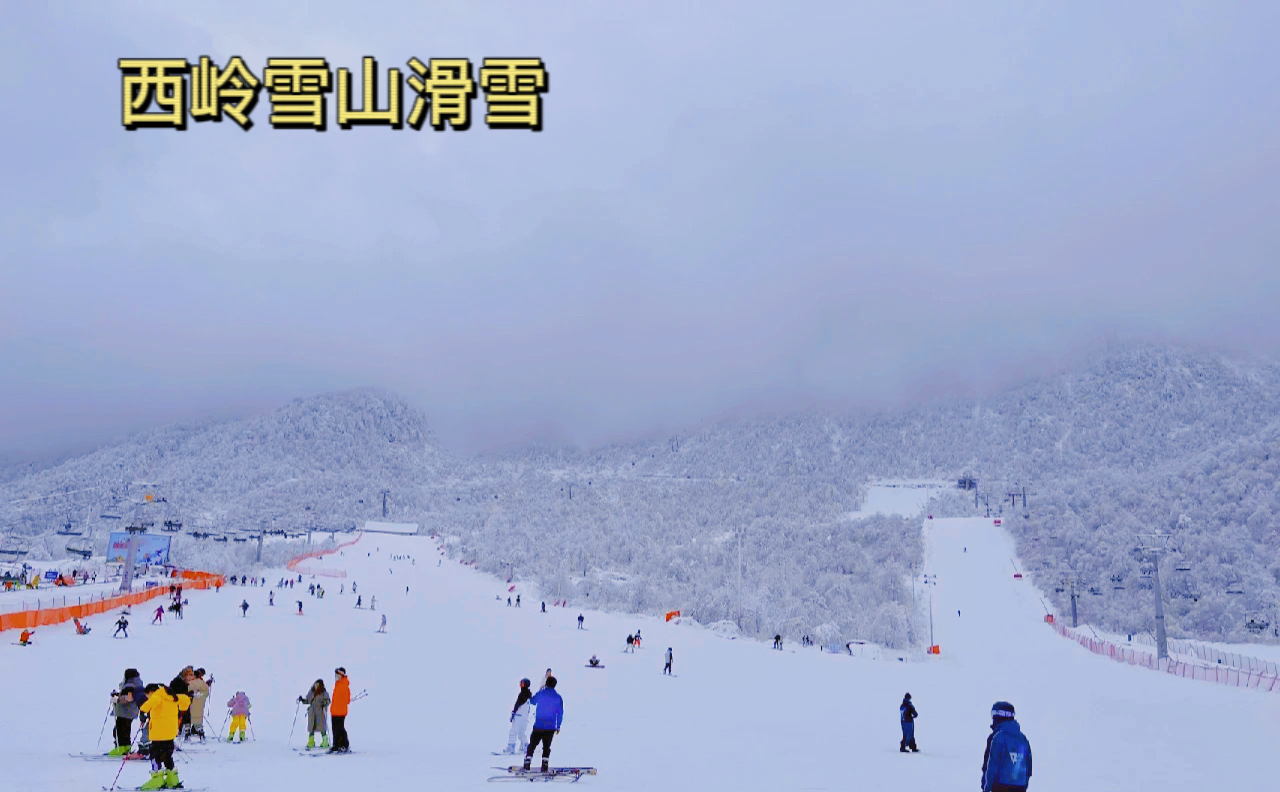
{"points": [[520, 720]]}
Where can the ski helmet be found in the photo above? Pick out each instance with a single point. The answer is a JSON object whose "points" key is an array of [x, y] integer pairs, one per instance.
{"points": [[525, 683], [1001, 710]]}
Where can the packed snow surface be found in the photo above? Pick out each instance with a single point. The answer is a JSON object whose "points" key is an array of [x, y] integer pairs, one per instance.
{"points": [[737, 715]]}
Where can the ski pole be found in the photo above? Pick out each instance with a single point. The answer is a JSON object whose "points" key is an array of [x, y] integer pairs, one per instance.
{"points": [[118, 772], [253, 736], [296, 707], [104, 726], [223, 727]]}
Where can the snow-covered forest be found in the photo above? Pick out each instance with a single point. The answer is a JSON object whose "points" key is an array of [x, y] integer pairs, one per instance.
{"points": [[746, 520]]}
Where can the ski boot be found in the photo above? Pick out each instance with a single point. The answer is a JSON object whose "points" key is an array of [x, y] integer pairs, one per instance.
{"points": [[546, 764], [311, 741], [156, 781], [171, 780], [510, 749], [119, 750], [324, 741]]}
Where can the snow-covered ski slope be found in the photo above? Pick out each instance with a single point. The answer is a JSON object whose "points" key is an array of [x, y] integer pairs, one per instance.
{"points": [[737, 715]]}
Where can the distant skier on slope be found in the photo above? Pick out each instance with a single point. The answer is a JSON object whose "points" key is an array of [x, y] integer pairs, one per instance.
{"points": [[777, 642], [667, 668], [1006, 764], [579, 621], [546, 724], [383, 627], [244, 608], [520, 719], [159, 617], [271, 598], [907, 714], [121, 624]]}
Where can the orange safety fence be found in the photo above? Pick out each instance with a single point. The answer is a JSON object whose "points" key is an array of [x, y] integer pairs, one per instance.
{"points": [[25, 620], [292, 566]]}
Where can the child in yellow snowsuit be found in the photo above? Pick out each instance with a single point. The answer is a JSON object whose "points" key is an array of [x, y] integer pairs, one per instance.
{"points": [[163, 710], [239, 705]]}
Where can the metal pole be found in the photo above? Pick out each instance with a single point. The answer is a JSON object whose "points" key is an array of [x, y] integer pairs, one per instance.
{"points": [[1075, 622], [931, 642], [126, 578], [1162, 643]]}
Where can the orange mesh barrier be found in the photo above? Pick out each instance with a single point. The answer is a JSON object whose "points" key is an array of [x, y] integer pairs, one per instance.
{"points": [[25, 620]]}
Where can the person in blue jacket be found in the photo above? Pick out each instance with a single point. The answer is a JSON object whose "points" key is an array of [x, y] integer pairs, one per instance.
{"points": [[907, 714], [1006, 765], [546, 724]]}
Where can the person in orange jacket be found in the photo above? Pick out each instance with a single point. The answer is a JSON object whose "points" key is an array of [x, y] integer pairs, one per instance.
{"points": [[338, 711], [25, 638], [164, 711]]}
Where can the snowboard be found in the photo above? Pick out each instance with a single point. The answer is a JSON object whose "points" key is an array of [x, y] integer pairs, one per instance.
{"points": [[595, 666]]}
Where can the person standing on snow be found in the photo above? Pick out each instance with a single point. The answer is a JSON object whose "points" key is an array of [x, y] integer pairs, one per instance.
{"points": [[159, 615], [338, 711], [199, 695], [271, 598], [163, 709], [667, 668], [546, 724], [907, 715], [181, 686], [520, 719], [317, 701], [122, 623], [1006, 764], [244, 608], [239, 706], [131, 694], [383, 627], [579, 621]]}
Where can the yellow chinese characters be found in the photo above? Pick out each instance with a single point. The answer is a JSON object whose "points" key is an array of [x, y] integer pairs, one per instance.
{"points": [[211, 89], [514, 88], [370, 114], [162, 80], [297, 87], [447, 86]]}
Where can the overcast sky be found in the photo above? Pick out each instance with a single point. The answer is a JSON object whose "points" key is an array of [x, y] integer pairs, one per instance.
{"points": [[732, 203]]}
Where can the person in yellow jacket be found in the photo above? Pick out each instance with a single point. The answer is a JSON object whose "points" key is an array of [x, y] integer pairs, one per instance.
{"points": [[163, 715]]}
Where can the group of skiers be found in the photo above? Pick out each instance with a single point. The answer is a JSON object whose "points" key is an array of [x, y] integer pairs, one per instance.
{"points": [[319, 702], [549, 709], [1006, 763]]}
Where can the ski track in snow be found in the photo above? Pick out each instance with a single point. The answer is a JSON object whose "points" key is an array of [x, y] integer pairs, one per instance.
{"points": [[738, 716]]}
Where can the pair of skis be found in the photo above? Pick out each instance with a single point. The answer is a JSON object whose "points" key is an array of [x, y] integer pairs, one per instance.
{"points": [[518, 773]]}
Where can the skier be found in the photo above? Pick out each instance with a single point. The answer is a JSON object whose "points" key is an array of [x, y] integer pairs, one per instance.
{"points": [[508, 602], [631, 644], [777, 642], [353, 588], [520, 719], [181, 686], [239, 706], [121, 624], [1006, 764], [131, 693], [317, 701], [359, 599], [338, 711], [271, 598], [544, 607], [299, 607], [546, 724], [594, 661], [373, 602], [199, 695], [25, 638], [579, 621], [159, 615], [517, 600], [81, 629], [244, 608], [907, 714], [637, 639], [163, 709], [383, 627], [957, 613]]}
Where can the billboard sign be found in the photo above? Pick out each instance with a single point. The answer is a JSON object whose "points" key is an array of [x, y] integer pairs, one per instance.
{"points": [[152, 550]]}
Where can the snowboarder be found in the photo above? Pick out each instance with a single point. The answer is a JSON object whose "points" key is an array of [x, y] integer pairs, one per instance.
{"points": [[159, 615], [244, 608], [317, 701], [338, 711], [121, 624], [25, 638], [594, 661], [163, 709], [359, 599], [383, 627], [907, 714], [546, 724], [579, 621], [239, 706], [520, 719], [199, 695], [1006, 764], [81, 629], [126, 700], [777, 642], [667, 668]]}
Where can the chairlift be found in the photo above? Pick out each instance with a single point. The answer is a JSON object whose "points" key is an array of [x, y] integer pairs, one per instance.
{"points": [[1118, 588], [1095, 591], [1183, 567], [1235, 588], [219, 538], [1058, 589], [1256, 624]]}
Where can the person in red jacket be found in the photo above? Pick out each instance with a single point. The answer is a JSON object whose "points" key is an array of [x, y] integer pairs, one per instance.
{"points": [[338, 711]]}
